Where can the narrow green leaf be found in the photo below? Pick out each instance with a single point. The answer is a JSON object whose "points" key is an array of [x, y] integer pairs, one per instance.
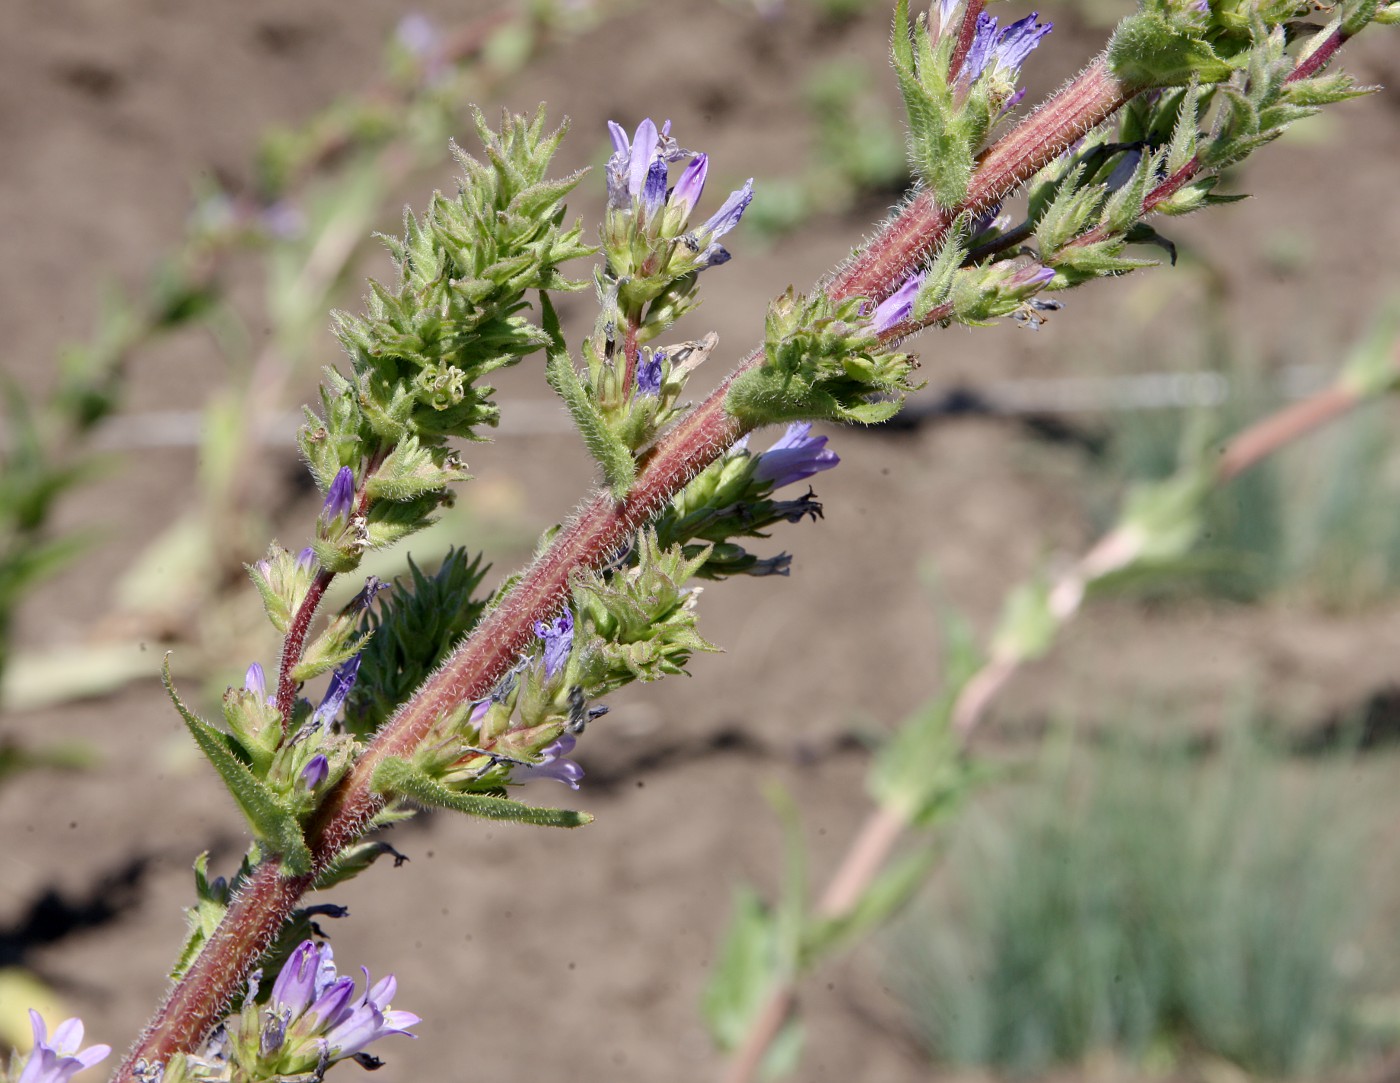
{"points": [[619, 467], [269, 819], [396, 777]]}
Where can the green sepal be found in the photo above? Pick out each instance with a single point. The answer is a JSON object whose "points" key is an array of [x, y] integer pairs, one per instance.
{"points": [[611, 453], [204, 916], [398, 778], [268, 817], [942, 136], [412, 471], [342, 639], [821, 363], [1148, 51], [350, 862]]}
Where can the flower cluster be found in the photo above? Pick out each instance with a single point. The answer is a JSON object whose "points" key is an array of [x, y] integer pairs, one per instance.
{"points": [[312, 1019], [954, 102]]}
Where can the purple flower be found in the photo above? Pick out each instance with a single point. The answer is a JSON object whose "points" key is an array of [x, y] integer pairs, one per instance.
{"points": [[638, 170], [314, 1011], [315, 771], [255, 682], [795, 456], [1004, 52], [631, 165], [340, 498], [721, 222], [689, 188], [649, 373], [342, 680], [558, 636], [1017, 41], [941, 16], [984, 39], [898, 306], [553, 764], [305, 559], [59, 1060], [654, 187]]}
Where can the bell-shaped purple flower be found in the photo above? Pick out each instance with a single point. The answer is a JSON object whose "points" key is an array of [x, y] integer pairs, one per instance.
{"points": [[254, 681], [58, 1060], [340, 497], [1003, 52], [795, 456], [721, 222], [553, 764], [315, 1012], [315, 771], [342, 680], [306, 974], [558, 636], [691, 185], [649, 373], [630, 168]]}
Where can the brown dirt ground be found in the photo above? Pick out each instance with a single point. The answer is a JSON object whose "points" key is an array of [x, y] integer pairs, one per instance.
{"points": [[582, 955]]}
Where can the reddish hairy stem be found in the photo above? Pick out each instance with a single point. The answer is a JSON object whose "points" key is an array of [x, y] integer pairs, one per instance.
{"points": [[966, 33], [294, 642], [1086, 101], [599, 529]]}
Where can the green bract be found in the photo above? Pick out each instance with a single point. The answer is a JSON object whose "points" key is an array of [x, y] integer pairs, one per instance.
{"points": [[820, 364], [454, 313]]}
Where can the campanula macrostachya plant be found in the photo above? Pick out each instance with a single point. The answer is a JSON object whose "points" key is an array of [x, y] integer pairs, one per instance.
{"points": [[508, 686]]}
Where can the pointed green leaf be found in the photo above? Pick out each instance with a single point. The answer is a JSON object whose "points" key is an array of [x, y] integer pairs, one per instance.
{"points": [[613, 455], [267, 816], [396, 777]]}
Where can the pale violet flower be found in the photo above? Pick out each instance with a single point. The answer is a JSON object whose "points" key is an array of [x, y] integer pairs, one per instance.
{"points": [[59, 1059]]}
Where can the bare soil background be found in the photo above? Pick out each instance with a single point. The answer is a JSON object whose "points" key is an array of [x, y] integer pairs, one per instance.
{"points": [[536, 955]]}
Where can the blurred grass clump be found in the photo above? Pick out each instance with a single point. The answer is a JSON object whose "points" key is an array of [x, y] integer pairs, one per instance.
{"points": [[1140, 903]]}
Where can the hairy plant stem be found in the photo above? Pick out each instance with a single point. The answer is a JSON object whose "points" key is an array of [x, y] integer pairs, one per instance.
{"points": [[596, 533], [294, 642]]}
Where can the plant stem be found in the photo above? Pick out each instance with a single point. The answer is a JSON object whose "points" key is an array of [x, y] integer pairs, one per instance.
{"points": [[294, 642], [596, 533]]}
